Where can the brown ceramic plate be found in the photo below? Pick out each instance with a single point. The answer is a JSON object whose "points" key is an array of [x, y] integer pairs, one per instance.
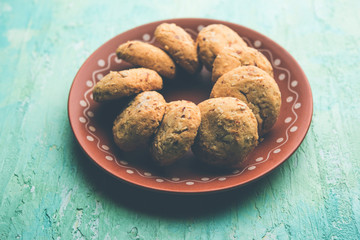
{"points": [[92, 122]]}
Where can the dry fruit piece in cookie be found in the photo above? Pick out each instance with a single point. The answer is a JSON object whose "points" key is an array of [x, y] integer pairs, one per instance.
{"points": [[148, 56], [230, 58], [126, 83], [212, 39], [176, 133], [227, 133], [137, 123], [257, 89], [179, 44]]}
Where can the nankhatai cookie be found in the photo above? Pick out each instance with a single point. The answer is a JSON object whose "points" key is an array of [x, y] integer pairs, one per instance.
{"points": [[227, 133], [148, 56], [212, 39], [256, 88], [126, 83], [179, 44], [176, 133], [137, 123], [230, 58]]}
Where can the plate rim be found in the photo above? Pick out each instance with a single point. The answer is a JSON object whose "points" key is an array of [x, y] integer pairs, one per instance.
{"points": [[158, 188]]}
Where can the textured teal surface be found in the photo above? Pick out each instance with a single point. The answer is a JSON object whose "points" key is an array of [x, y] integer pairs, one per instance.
{"points": [[50, 190]]}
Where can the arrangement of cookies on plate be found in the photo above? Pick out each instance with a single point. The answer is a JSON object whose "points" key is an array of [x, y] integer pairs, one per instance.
{"points": [[221, 131]]}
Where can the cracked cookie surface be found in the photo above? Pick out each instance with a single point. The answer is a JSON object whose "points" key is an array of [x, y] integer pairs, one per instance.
{"points": [[230, 58], [179, 44], [212, 39], [257, 89], [227, 133], [126, 83], [176, 133], [137, 123], [148, 56]]}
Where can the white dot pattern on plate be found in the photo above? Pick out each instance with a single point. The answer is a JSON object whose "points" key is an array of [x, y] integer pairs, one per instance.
{"points": [[89, 83], [117, 60], [124, 162], [289, 99], [222, 178], [82, 119], [91, 128], [90, 113], [288, 119], [90, 138], [110, 158], [257, 43], [277, 150], [129, 171], [205, 179], [259, 159], [297, 106], [146, 37], [293, 129], [105, 147], [147, 174], [251, 168], [159, 180], [200, 27], [83, 103], [281, 76], [189, 183], [294, 83], [99, 76], [279, 140], [175, 179], [101, 62], [277, 62]]}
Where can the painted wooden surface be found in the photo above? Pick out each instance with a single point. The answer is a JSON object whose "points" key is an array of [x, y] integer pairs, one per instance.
{"points": [[50, 190]]}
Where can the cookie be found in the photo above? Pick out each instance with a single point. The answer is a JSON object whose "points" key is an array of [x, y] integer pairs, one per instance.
{"points": [[227, 133], [176, 133], [135, 126], [212, 39], [148, 56], [230, 58], [126, 83], [179, 44], [256, 88]]}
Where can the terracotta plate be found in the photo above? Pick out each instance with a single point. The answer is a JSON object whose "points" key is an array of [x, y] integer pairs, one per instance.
{"points": [[92, 122]]}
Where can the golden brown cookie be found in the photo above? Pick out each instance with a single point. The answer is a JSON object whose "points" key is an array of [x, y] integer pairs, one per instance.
{"points": [[214, 38], [126, 83], [148, 56], [176, 133], [227, 133], [256, 88], [230, 58], [137, 123], [179, 44]]}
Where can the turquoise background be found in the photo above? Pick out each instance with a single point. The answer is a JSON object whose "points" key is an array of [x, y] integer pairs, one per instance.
{"points": [[50, 190]]}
